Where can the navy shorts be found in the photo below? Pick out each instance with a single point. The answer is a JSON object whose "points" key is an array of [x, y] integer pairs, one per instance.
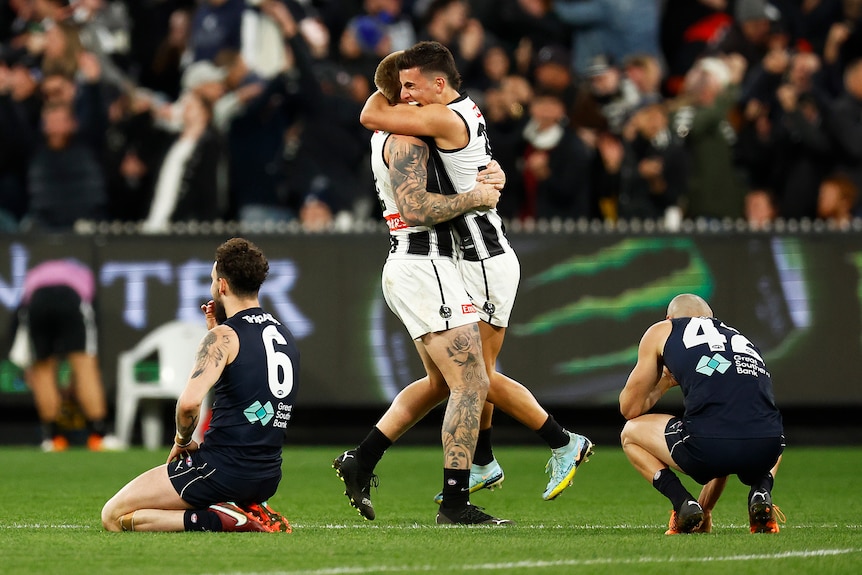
{"points": [[705, 458], [200, 480]]}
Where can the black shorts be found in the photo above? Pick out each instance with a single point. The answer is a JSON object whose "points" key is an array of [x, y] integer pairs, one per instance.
{"points": [[60, 322], [200, 480], [705, 458]]}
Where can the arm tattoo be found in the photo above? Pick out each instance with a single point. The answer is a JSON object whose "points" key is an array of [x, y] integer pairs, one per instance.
{"points": [[187, 430], [208, 352], [408, 170]]}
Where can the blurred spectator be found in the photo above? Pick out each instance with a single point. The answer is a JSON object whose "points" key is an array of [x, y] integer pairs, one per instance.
{"points": [[216, 26], [65, 178], [711, 88], [449, 22], [552, 73], [554, 163], [654, 166], [294, 132], [380, 29], [187, 184], [496, 64], [205, 79], [12, 15], [845, 34], [614, 28], [504, 106], [155, 32], [690, 29], [62, 48], [606, 98], [816, 18], [844, 125], [19, 117], [257, 116], [645, 74], [315, 215], [50, 10], [134, 150], [837, 200], [103, 27], [760, 208], [526, 26], [757, 30], [797, 149], [163, 71]]}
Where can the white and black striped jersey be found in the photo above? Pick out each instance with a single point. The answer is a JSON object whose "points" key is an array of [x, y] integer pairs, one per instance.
{"points": [[410, 241], [480, 234]]}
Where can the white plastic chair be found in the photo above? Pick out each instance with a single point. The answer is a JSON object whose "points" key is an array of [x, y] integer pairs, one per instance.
{"points": [[175, 345]]}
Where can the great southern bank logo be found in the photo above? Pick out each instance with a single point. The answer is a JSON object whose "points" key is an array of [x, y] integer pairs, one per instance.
{"points": [[709, 365], [257, 412]]}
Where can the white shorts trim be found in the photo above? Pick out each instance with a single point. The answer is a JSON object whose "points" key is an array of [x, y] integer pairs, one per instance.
{"points": [[427, 295], [493, 285]]}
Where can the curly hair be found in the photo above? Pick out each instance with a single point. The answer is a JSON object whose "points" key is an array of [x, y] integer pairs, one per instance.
{"points": [[431, 58], [243, 265]]}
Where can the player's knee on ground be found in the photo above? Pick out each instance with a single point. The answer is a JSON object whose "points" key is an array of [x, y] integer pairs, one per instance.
{"points": [[110, 521]]}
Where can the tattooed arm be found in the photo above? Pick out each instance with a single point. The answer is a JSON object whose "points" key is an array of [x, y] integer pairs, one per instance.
{"points": [[408, 171], [217, 349]]}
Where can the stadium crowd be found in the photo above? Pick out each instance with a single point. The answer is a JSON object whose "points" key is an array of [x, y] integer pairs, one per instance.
{"points": [[163, 111]]}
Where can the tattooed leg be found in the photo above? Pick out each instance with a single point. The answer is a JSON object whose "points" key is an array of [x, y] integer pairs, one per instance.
{"points": [[457, 353]]}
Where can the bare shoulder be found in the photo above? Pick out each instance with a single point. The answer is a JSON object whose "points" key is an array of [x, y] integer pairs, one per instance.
{"points": [[224, 333], [656, 335], [221, 340], [217, 348]]}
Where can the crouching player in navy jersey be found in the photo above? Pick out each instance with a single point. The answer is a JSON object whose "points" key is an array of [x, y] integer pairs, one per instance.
{"points": [[731, 425], [250, 361]]}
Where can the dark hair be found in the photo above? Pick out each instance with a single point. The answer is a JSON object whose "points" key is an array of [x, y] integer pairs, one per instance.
{"points": [[431, 58], [243, 265]]}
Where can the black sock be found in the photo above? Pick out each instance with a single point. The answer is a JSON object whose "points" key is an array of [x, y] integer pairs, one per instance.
{"points": [[456, 488], [99, 427], [766, 482], [553, 434], [484, 452], [671, 487], [371, 450], [49, 430], [201, 520]]}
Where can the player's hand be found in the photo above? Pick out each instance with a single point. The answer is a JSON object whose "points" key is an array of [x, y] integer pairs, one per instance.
{"points": [[178, 452], [488, 196], [668, 376], [209, 312], [492, 174]]}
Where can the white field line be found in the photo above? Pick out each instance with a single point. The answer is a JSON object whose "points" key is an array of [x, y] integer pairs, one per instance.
{"points": [[521, 565]]}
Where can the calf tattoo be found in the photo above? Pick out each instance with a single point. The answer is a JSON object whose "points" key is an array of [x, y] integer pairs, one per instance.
{"points": [[466, 399]]}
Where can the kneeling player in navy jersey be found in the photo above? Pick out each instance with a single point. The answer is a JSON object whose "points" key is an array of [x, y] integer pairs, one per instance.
{"points": [[250, 361], [731, 424]]}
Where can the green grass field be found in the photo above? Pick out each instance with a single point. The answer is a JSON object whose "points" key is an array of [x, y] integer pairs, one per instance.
{"points": [[611, 521]]}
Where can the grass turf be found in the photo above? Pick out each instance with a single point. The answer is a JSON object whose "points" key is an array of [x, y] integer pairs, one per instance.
{"points": [[611, 521]]}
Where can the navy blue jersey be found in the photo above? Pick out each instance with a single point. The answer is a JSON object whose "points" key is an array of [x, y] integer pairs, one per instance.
{"points": [[725, 384], [253, 400]]}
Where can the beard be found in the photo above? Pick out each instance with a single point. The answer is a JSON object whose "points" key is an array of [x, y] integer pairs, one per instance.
{"points": [[219, 311]]}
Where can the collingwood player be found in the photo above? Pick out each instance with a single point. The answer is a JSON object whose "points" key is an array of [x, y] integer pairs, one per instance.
{"points": [[488, 266]]}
